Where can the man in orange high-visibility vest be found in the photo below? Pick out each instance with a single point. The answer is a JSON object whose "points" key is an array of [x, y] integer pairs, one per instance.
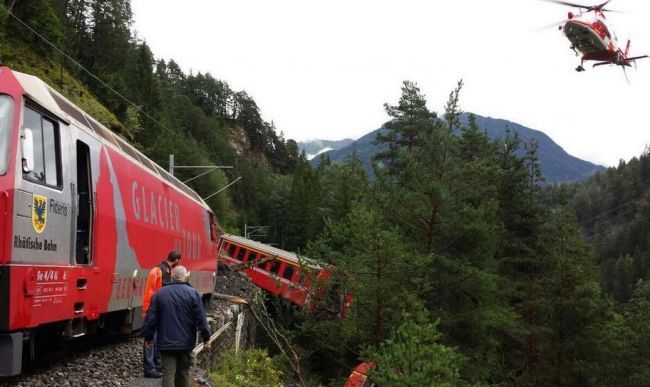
{"points": [[158, 277]]}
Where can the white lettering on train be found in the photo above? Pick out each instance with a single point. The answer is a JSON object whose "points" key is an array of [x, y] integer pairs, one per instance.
{"points": [[161, 222], [151, 208]]}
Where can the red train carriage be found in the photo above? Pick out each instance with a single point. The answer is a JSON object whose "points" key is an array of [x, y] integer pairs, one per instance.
{"points": [[359, 376], [84, 216], [301, 280]]}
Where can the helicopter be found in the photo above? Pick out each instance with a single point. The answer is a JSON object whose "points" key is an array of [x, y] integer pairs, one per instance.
{"points": [[589, 34]]}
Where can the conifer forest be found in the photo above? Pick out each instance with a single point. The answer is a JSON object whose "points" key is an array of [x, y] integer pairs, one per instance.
{"points": [[467, 268]]}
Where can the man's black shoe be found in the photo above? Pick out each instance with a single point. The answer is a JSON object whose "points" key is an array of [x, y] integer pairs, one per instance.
{"points": [[153, 375]]}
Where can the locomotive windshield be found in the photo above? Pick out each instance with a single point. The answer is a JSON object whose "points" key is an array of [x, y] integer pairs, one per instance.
{"points": [[6, 113]]}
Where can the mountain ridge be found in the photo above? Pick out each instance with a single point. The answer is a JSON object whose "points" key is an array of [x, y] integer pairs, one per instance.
{"points": [[558, 166]]}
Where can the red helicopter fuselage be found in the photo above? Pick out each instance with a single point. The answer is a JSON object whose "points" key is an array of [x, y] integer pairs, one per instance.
{"points": [[593, 39]]}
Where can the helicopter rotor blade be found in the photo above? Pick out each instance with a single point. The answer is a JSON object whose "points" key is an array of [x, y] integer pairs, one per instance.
{"points": [[625, 72], [568, 4], [600, 7], [549, 26]]}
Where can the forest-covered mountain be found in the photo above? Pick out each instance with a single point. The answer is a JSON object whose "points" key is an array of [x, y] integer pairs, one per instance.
{"points": [[557, 165], [465, 269]]}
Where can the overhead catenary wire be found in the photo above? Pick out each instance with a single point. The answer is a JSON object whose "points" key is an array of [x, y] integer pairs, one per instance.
{"points": [[138, 108]]}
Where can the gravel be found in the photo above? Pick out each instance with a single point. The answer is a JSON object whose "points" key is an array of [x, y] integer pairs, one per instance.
{"points": [[113, 361]]}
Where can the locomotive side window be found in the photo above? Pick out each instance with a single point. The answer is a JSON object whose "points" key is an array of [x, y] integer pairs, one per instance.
{"points": [[6, 113], [45, 134]]}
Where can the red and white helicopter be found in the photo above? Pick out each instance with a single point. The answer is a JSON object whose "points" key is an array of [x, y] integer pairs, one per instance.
{"points": [[589, 34]]}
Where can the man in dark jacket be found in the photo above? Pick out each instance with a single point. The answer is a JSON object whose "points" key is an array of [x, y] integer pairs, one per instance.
{"points": [[158, 276], [175, 313]]}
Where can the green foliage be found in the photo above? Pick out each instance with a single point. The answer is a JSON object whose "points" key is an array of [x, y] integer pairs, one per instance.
{"points": [[414, 356], [613, 209], [634, 350], [455, 223], [410, 117], [251, 367], [42, 17]]}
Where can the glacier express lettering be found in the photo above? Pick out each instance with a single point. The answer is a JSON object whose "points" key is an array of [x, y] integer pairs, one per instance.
{"points": [[155, 209]]}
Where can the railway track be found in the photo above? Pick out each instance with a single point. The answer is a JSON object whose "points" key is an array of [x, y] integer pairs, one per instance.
{"points": [[112, 360], [92, 361]]}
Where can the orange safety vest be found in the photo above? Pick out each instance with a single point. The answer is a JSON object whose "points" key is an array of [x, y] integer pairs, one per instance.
{"points": [[154, 283]]}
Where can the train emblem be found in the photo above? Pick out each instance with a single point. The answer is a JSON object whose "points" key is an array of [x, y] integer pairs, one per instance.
{"points": [[39, 212]]}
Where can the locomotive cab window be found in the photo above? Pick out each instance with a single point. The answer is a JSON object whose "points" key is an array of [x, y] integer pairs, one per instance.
{"points": [[41, 156], [6, 114]]}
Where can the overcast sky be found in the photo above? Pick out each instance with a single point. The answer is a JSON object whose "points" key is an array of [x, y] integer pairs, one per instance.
{"points": [[324, 69]]}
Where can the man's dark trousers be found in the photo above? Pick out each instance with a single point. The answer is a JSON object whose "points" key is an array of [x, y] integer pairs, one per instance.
{"points": [[151, 358], [176, 368]]}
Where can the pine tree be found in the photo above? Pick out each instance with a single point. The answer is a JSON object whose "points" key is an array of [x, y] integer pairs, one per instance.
{"points": [[409, 118], [414, 356]]}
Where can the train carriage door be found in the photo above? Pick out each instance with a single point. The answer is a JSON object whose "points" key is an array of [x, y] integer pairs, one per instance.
{"points": [[84, 206]]}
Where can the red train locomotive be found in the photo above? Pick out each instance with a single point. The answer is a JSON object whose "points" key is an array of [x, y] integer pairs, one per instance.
{"points": [[83, 218], [303, 281]]}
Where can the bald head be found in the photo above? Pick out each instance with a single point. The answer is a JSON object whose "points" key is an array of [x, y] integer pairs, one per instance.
{"points": [[179, 273]]}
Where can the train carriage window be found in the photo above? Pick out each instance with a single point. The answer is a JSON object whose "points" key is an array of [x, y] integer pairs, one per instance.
{"points": [[275, 266], [45, 134], [6, 114], [288, 272], [241, 253]]}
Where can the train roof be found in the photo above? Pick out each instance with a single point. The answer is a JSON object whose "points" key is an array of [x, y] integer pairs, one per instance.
{"points": [[287, 255], [41, 93]]}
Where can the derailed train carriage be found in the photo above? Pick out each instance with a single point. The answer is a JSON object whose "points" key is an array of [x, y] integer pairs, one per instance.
{"points": [[84, 216], [305, 282]]}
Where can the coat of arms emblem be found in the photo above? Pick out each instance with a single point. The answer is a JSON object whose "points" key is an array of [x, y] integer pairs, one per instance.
{"points": [[39, 212]]}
